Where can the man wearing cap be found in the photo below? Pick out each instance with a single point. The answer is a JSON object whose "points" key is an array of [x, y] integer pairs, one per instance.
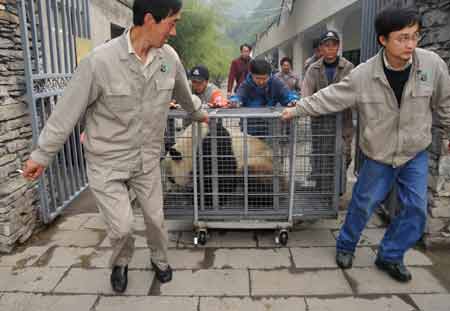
{"points": [[209, 94], [330, 69]]}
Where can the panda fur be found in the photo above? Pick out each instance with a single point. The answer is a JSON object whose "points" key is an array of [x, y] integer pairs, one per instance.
{"points": [[230, 164]]}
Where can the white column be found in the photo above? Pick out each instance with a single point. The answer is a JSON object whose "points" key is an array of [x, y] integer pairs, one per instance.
{"points": [[301, 52]]}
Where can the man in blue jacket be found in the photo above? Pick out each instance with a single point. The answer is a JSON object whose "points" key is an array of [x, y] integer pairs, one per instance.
{"points": [[262, 89]]}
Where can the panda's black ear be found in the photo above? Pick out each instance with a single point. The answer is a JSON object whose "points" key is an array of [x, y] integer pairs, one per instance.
{"points": [[175, 154]]}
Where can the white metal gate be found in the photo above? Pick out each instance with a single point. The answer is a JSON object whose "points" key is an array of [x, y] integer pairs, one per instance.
{"points": [[49, 29]]}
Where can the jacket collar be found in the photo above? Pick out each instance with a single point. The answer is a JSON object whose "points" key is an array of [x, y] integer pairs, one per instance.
{"points": [[320, 63], [133, 62], [378, 71]]}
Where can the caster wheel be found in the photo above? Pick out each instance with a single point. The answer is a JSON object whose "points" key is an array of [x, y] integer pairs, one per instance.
{"points": [[202, 237], [283, 238]]}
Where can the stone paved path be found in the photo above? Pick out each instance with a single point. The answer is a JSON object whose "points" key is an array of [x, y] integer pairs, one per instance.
{"points": [[66, 268]]}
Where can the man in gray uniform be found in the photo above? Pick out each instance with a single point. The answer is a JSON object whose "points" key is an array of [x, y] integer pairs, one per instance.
{"points": [[123, 88]]}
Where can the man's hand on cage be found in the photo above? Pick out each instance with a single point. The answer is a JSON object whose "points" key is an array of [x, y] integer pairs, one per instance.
{"points": [[32, 170], [287, 114], [205, 119]]}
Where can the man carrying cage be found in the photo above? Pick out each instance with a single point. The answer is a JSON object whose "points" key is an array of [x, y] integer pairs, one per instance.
{"points": [[123, 88], [396, 93]]}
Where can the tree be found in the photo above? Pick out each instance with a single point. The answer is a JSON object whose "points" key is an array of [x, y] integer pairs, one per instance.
{"points": [[199, 40]]}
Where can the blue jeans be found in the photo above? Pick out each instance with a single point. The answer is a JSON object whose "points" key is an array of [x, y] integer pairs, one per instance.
{"points": [[374, 182]]}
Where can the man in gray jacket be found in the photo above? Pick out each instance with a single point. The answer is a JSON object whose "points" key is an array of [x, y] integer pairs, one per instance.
{"points": [[123, 88], [329, 69], [396, 92]]}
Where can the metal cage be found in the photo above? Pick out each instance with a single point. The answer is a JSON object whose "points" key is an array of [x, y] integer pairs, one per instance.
{"points": [[249, 169]]}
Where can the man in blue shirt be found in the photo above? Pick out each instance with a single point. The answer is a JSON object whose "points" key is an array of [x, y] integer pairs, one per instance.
{"points": [[262, 89]]}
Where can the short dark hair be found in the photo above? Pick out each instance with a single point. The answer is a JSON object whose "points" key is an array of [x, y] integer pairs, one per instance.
{"points": [[160, 9], [286, 59], [245, 45], [260, 67], [394, 19], [316, 43]]}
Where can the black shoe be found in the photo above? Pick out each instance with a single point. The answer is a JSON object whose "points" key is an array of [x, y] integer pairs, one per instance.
{"points": [[119, 278], [344, 260], [398, 271], [163, 276]]}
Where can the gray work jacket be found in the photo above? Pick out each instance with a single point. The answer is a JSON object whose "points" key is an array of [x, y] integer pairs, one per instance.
{"points": [[389, 134], [125, 112]]}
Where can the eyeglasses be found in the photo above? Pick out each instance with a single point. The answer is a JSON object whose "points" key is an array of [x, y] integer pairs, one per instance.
{"points": [[403, 39]]}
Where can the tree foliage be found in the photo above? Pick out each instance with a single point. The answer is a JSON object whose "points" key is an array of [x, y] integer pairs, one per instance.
{"points": [[243, 29], [199, 40]]}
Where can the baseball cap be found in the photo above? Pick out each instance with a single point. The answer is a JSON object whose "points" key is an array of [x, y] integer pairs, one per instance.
{"points": [[329, 35], [200, 73]]}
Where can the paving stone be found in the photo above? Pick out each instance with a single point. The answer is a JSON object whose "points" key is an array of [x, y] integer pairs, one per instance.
{"points": [[216, 239], [69, 256], [302, 238], [252, 258], [30, 279], [415, 258], [100, 258], [147, 303], [96, 281], [249, 304], [324, 257], [79, 238], [33, 302], [336, 224], [140, 260], [207, 283], [369, 237], [356, 304], [73, 222], [139, 223], [324, 224], [178, 259], [186, 258], [432, 302], [97, 222], [309, 283], [374, 281], [25, 258], [141, 242]]}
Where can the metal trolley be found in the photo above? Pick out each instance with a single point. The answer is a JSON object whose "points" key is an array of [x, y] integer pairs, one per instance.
{"points": [[248, 169]]}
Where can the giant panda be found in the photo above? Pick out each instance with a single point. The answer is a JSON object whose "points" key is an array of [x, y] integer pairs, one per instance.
{"points": [[178, 164], [230, 164]]}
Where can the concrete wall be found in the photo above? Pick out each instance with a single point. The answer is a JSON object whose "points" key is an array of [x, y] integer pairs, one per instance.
{"points": [[105, 12]]}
